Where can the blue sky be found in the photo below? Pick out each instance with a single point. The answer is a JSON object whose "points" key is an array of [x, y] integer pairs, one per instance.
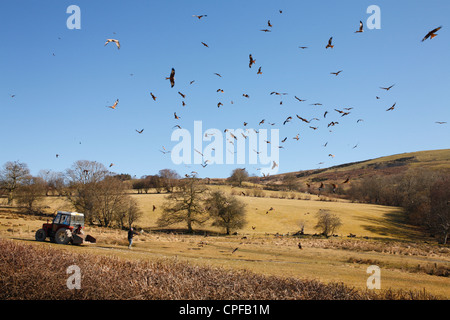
{"points": [[63, 80]]}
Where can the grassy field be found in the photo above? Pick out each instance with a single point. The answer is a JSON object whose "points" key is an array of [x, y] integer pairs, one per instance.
{"points": [[406, 258]]}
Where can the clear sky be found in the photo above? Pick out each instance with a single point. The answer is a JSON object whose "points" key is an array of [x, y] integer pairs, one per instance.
{"points": [[62, 80]]}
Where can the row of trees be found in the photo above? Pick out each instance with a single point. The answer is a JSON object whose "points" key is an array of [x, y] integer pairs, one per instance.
{"points": [[166, 180], [88, 185], [423, 194]]}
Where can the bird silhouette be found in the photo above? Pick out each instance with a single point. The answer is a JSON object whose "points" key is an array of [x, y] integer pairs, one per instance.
{"points": [[431, 34], [114, 105], [199, 16], [330, 45], [252, 61], [172, 78], [115, 41], [361, 28]]}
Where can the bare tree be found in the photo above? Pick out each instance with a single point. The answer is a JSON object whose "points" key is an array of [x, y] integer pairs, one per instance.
{"points": [[438, 218], [327, 222], [85, 172], [54, 182], [185, 205], [11, 176], [31, 190], [168, 179], [83, 177], [227, 211], [238, 176], [110, 200]]}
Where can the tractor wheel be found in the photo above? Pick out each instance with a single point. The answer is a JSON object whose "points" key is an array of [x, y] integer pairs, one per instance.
{"points": [[63, 236], [40, 235]]}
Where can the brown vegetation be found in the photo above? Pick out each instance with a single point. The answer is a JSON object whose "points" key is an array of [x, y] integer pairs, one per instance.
{"points": [[34, 272]]}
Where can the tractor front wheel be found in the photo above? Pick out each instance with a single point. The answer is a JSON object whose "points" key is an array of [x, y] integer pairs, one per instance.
{"points": [[63, 236], [40, 235]]}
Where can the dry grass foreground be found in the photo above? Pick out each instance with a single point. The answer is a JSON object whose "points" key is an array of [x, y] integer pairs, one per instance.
{"points": [[31, 272]]}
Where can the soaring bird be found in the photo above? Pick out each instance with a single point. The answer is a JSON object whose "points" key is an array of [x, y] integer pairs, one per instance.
{"points": [[274, 165], [336, 73], [259, 71], [278, 93], [325, 114], [262, 121], [392, 108], [205, 44], [388, 88], [431, 34], [332, 124], [175, 115], [301, 100], [361, 28], [304, 120], [329, 45], [288, 119], [153, 96], [251, 60], [140, 131], [200, 16], [172, 78], [303, 47], [284, 140], [441, 122], [184, 96], [265, 30], [217, 74], [113, 40], [296, 137], [114, 105]]}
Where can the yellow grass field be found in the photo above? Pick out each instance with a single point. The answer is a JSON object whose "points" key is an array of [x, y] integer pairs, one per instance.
{"points": [[381, 239]]}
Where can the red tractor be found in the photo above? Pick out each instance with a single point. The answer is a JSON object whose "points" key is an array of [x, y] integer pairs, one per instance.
{"points": [[65, 228]]}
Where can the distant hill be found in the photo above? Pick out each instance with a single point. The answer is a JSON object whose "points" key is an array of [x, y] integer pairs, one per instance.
{"points": [[433, 159]]}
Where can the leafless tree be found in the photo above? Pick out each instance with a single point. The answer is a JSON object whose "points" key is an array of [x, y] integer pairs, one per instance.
{"points": [[238, 176], [185, 205], [11, 176], [227, 211], [327, 222]]}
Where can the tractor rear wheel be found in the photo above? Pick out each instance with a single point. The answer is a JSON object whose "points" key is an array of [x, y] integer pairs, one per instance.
{"points": [[40, 235], [63, 236]]}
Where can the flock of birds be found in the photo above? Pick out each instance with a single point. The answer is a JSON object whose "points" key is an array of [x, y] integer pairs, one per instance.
{"points": [[252, 62]]}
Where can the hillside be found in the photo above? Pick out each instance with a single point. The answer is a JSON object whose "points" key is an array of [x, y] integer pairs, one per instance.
{"points": [[433, 160]]}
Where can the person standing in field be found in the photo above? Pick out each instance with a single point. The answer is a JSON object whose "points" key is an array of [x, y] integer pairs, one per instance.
{"points": [[131, 234]]}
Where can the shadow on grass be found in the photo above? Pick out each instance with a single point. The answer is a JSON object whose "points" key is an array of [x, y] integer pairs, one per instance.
{"points": [[183, 231], [393, 224]]}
